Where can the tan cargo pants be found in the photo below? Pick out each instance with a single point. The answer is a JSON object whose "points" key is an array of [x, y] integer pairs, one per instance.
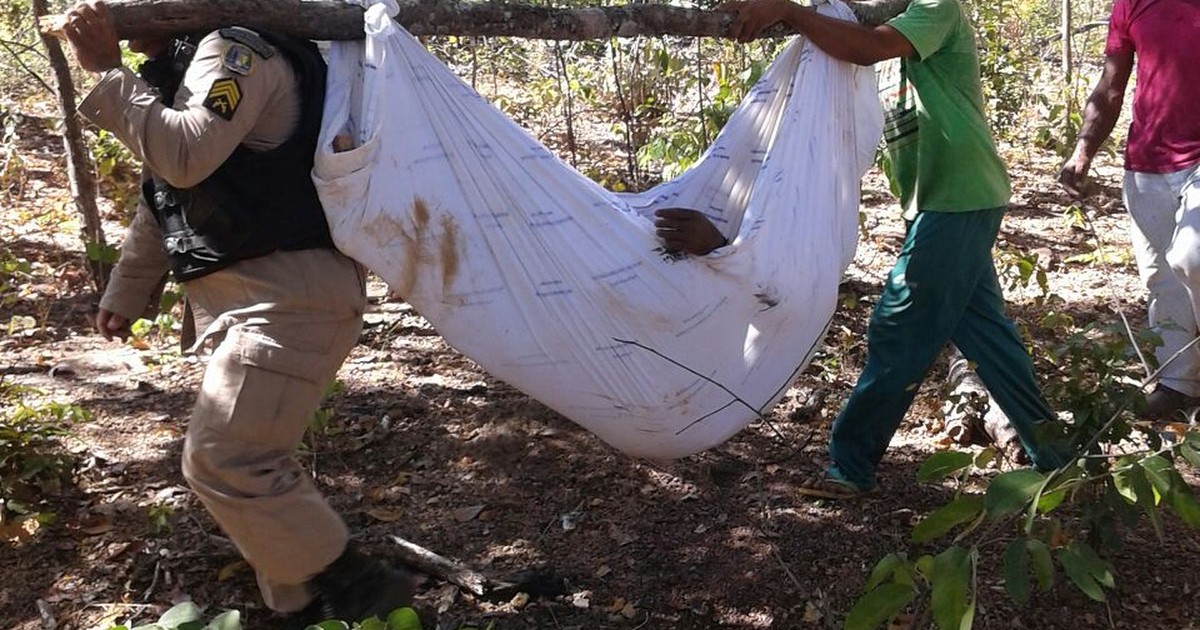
{"points": [[283, 324]]}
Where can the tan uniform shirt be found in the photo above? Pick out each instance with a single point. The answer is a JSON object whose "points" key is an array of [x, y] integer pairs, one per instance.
{"points": [[187, 143]]}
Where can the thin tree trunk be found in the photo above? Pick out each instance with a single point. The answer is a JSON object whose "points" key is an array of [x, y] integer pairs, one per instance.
{"points": [[79, 163], [1066, 41], [336, 20]]}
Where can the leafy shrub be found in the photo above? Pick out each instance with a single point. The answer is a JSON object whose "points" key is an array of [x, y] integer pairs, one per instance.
{"points": [[117, 170], [32, 457], [12, 271], [12, 166], [1062, 521], [188, 616]]}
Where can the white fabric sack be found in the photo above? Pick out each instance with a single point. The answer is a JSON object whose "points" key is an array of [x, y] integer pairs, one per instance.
{"points": [[560, 287]]}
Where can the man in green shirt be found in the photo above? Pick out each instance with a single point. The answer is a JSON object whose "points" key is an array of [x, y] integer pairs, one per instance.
{"points": [[954, 190]]}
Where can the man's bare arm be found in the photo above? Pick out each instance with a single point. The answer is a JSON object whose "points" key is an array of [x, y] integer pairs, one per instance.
{"points": [[841, 39], [1099, 117]]}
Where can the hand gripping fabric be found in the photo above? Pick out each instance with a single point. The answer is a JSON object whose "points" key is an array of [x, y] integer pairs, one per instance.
{"points": [[560, 287]]}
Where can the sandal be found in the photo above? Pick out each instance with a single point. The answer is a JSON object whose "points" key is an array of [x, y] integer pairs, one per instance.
{"points": [[824, 486]]}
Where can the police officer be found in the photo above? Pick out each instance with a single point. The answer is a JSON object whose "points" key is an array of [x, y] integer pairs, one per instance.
{"points": [[226, 126]]}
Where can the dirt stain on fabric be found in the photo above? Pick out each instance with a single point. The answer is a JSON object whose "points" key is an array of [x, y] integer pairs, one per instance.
{"points": [[448, 252], [412, 249], [417, 249]]}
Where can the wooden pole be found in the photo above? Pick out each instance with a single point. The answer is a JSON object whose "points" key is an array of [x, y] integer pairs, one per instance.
{"points": [[336, 20]]}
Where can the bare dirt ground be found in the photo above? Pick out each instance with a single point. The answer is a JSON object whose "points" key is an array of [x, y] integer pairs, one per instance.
{"points": [[426, 446]]}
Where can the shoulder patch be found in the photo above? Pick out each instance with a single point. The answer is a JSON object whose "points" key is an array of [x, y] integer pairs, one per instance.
{"points": [[223, 97], [238, 58], [248, 37]]}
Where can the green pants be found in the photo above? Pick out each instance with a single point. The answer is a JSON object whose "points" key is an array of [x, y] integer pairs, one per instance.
{"points": [[943, 288]]}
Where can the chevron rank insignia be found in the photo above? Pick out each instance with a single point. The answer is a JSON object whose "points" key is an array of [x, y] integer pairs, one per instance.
{"points": [[238, 58], [223, 97]]}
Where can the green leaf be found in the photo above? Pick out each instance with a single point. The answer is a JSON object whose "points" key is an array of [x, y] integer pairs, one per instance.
{"points": [[1043, 564], [179, 614], [1010, 492], [1183, 501], [959, 511], [1099, 568], [1158, 471], [885, 568], [1191, 453], [879, 606], [228, 620], [943, 464], [102, 253], [331, 624], [403, 619], [1016, 571], [951, 580], [1051, 500], [1167, 481], [924, 565], [985, 457], [1131, 483], [1079, 569], [371, 623]]}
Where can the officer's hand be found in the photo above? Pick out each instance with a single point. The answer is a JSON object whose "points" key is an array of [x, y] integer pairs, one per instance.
{"points": [[687, 231], [1073, 174], [754, 16], [112, 325], [93, 38]]}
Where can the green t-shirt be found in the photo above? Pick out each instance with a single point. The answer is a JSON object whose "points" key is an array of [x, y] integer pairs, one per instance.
{"points": [[942, 153]]}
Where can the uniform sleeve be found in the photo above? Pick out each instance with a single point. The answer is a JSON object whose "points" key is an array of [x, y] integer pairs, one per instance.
{"points": [[140, 269], [1118, 41], [229, 96], [927, 24]]}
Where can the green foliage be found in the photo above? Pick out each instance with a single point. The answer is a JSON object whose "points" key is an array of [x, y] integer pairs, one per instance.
{"points": [[13, 271], [678, 140], [33, 460], [944, 464], [1006, 33], [159, 515], [189, 616], [321, 422], [13, 173], [144, 333], [1018, 270], [1123, 470], [117, 171]]}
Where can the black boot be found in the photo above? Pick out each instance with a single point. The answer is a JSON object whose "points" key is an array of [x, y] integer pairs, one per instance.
{"points": [[355, 587]]}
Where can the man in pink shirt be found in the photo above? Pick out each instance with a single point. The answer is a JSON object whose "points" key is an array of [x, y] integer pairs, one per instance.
{"points": [[1162, 174]]}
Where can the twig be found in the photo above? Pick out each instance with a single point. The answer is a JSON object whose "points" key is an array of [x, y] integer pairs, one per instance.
{"points": [[564, 80], [1078, 30], [758, 411], [153, 581], [439, 566], [21, 62], [47, 615], [783, 565], [626, 114], [677, 364]]}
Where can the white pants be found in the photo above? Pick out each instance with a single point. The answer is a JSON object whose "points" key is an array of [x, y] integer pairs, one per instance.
{"points": [[1165, 231]]}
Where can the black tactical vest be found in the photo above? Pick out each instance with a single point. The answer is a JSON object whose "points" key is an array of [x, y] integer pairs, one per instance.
{"points": [[256, 202]]}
